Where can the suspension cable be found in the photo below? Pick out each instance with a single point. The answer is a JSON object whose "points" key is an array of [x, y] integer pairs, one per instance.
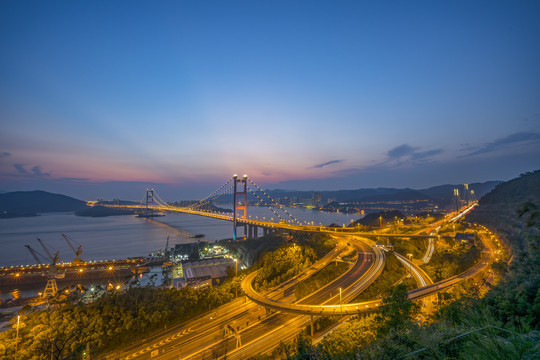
{"points": [[209, 200], [160, 201], [142, 202], [268, 206], [212, 194], [275, 203]]}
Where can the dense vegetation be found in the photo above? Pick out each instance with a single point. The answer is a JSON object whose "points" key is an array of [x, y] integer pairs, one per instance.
{"points": [[251, 251], [287, 261], [417, 247], [499, 210], [392, 273], [375, 219], [452, 259], [114, 319], [283, 264], [329, 273]]}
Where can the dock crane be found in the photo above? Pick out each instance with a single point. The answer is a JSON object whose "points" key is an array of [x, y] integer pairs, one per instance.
{"points": [[77, 260], [51, 288], [54, 259]]}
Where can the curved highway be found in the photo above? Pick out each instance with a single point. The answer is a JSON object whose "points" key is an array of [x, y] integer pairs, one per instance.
{"points": [[369, 306], [355, 281]]}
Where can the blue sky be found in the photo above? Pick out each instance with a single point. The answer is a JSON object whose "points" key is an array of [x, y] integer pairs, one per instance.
{"points": [[106, 98]]}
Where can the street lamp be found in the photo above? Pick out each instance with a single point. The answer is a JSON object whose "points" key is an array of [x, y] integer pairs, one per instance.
{"points": [[340, 304], [410, 256], [235, 275], [17, 338]]}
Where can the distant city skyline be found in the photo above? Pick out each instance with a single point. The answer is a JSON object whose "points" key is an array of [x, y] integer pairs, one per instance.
{"points": [[103, 99]]}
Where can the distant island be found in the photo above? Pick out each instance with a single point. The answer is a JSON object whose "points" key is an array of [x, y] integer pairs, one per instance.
{"points": [[31, 203]]}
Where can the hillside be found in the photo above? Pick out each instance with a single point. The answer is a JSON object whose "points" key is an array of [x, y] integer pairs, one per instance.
{"points": [[25, 202], [443, 194], [500, 209]]}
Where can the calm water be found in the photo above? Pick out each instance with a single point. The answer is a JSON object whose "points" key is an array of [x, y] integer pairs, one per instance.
{"points": [[118, 237]]}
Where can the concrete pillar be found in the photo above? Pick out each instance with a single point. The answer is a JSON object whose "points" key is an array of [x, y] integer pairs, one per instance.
{"points": [[312, 326], [255, 231]]}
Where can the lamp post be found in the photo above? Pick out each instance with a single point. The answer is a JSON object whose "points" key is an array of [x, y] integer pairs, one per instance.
{"points": [[235, 275], [340, 304], [410, 256], [17, 338]]}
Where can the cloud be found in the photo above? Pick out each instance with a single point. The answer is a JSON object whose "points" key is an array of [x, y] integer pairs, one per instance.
{"points": [[20, 168], [72, 179], [5, 154], [425, 154], [514, 139], [37, 171], [401, 151], [405, 152], [318, 166]]}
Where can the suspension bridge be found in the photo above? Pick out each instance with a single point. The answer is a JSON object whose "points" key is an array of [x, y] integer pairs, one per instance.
{"points": [[234, 194]]}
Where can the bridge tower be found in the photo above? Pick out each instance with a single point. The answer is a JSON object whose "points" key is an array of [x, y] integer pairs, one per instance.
{"points": [[149, 212], [456, 201], [466, 194], [240, 202]]}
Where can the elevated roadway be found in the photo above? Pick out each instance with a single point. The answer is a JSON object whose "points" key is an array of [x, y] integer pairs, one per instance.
{"points": [[426, 290], [352, 283]]}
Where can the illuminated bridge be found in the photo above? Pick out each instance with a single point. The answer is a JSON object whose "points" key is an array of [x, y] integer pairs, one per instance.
{"points": [[235, 192]]}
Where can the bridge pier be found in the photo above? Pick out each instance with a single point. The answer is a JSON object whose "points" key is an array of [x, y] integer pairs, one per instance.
{"points": [[312, 326], [254, 234]]}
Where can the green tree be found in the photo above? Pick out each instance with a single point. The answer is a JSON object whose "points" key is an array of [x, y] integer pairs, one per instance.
{"points": [[397, 312]]}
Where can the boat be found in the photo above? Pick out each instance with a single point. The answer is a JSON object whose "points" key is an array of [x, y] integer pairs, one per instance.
{"points": [[149, 216]]}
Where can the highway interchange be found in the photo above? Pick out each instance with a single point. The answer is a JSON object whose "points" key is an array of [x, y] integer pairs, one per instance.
{"points": [[256, 323]]}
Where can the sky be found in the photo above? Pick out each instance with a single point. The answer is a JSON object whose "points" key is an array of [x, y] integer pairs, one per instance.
{"points": [[102, 99]]}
